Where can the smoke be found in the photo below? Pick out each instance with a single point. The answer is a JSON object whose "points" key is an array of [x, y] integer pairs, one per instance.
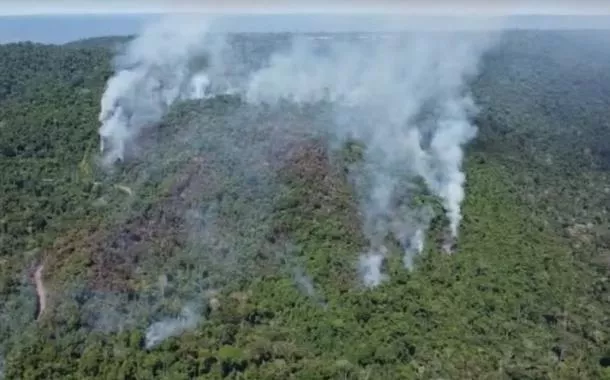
{"points": [[304, 283], [171, 327], [371, 267], [405, 97], [166, 62], [198, 87]]}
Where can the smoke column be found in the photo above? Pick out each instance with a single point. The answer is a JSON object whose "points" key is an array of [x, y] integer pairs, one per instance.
{"points": [[170, 327], [164, 63], [370, 267], [405, 97]]}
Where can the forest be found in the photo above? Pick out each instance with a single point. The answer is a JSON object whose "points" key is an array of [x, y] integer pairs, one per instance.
{"points": [[525, 295]]}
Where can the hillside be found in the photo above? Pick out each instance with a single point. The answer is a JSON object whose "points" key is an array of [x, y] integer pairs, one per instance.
{"points": [[110, 42], [252, 241]]}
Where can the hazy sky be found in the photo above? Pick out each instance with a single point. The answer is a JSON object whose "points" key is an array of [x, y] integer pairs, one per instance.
{"points": [[61, 21], [20, 7]]}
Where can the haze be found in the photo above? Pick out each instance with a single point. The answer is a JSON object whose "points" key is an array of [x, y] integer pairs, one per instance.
{"points": [[470, 7], [61, 28]]}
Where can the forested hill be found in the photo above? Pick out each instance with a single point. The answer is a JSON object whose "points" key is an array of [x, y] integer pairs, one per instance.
{"points": [[104, 42], [525, 296]]}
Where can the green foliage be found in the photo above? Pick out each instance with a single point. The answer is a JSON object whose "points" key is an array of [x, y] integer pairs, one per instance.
{"points": [[523, 297]]}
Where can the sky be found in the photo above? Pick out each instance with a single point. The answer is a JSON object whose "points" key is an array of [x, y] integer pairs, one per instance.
{"points": [[452, 7], [59, 21]]}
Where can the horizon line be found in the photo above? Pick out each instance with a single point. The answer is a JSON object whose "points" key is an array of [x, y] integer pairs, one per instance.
{"points": [[308, 13]]}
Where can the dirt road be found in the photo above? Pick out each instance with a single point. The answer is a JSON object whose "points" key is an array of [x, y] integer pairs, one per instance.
{"points": [[40, 290]]}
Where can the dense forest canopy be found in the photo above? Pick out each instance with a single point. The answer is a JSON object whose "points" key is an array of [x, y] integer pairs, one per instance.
{"points": [[525, 295]]}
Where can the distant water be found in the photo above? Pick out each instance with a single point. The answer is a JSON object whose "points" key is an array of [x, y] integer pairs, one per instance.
{"points": [[61, 29]]}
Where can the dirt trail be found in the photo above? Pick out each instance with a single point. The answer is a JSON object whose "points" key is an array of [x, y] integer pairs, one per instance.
{"points": [[41, 291]]}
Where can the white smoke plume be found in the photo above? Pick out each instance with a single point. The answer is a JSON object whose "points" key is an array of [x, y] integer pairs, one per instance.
{"points": [[198, 88], [415, 248], [371, 267], [409, 226], [405, 97], [304, 283], [161, 65], [171, 327]]}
